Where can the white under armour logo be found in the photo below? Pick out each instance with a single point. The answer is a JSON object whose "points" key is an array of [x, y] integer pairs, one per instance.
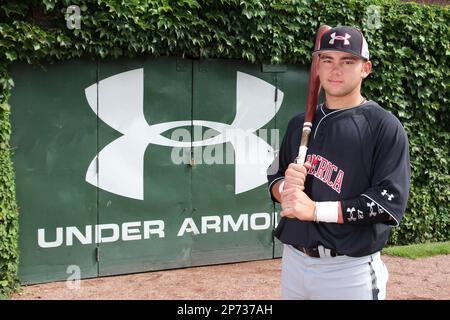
{"points": [[360, 214], [335, 37], [121, 162], [351, 210], [389, 196], [371, 205]]}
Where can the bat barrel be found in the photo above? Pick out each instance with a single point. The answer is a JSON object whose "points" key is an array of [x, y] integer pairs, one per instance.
{"points": [[312, 99]]}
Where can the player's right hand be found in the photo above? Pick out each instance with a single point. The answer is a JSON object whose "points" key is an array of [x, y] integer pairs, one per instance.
{"points": [[295, 175], [296, 204]]}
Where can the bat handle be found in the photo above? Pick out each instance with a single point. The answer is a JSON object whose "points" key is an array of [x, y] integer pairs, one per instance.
{"points": [[303, 149]]}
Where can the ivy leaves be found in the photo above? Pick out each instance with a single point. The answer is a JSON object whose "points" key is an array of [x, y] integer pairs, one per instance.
{"points": [[411, 76]]}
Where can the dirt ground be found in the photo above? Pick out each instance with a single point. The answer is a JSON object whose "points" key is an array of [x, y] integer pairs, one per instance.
{"points": [[425, 278]]}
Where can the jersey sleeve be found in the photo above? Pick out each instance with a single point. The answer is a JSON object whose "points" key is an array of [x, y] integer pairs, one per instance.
{"points": [[276, 170], [385, 201]]}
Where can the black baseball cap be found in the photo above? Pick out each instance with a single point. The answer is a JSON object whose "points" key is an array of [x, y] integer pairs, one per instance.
{"points": [[345, 39]]}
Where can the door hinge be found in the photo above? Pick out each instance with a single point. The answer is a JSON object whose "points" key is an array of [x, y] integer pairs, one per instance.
{"points": [[97, 254], [192, 158]]}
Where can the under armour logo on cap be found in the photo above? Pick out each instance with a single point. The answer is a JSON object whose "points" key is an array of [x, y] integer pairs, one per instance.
{"points": [[335, 37], [344, 39]]}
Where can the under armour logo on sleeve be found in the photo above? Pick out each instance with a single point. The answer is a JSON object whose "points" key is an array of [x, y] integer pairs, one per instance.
{"points": [[389, 196], [372, 213], [360, 215], [344, 38], [351, 210]]}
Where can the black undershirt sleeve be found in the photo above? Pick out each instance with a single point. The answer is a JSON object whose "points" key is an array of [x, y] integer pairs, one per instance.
{"points": [[386, 200], [276, 170]]}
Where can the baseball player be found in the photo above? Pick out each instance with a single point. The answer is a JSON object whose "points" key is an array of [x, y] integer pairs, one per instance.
{"points": [[339, 207]]}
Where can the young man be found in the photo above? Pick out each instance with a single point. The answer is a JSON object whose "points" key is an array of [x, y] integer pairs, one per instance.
{"points": [[338, 209]]}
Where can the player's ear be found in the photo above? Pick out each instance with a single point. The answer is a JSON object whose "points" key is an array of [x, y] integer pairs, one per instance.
{"points": [[366, 68]]}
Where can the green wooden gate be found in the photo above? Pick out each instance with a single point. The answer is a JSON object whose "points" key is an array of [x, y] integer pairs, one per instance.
{"points": [[147, 164]]}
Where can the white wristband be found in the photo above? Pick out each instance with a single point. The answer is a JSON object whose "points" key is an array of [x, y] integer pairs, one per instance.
{"points": [[281, 187], [327, 211]]}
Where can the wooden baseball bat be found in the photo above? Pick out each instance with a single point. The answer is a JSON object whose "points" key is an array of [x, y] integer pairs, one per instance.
{"points": [[312, 98]]}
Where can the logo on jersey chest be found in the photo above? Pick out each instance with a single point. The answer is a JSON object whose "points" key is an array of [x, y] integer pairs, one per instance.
{"points": [[326, 171]]}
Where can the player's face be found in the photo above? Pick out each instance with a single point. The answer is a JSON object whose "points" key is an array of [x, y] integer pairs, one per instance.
{"points": [[341, 73]]}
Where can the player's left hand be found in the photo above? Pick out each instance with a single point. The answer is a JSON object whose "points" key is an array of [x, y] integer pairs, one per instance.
{"points": [[295, 175], [296, 204]]}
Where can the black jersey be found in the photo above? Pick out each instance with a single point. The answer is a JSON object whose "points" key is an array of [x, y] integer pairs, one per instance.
{"points": [[360, 157]]}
